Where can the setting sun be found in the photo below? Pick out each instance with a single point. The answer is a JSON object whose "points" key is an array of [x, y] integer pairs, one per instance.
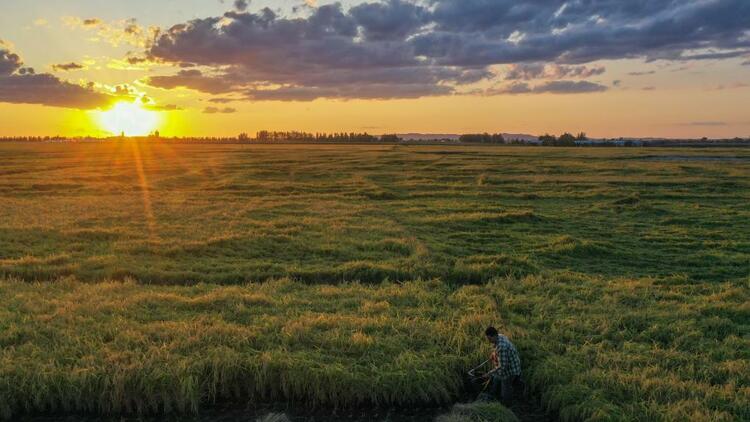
{"points": [[128, 118]]}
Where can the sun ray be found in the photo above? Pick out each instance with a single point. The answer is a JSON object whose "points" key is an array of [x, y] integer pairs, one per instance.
{"points": [[145, 190]]}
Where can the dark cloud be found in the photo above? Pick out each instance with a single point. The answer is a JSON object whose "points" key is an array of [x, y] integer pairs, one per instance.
{"points": [[376, 92], [21, 85], [735, 85], [65, 67], [404, 49], [550, 87], [525, 71], [222, 100], [514, 88], [166, 107], [580, 31], [533, 71], [706, 124], [712, 55], [9, 62], [324, 55], [193, 79], [241, 5], [216, 110], [391, 20], [569, 87], [46, 89]]}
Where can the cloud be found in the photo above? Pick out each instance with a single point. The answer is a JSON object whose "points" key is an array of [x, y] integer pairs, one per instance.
{"points": [[116, 33], [361, 53], [569, 87], [373, 92], [549, 87], [514, 88], [650, 72], [134, 60], [395, 19], [193, 79], [216, 110], [166, 107], [481, 32], [65, 67], [222, 100], [41, 22], [705, 123], [406, 49], [46, 89], [241, 5], [735, 85], [9, 62], [712, 55], [20, 85], [533, 71]]}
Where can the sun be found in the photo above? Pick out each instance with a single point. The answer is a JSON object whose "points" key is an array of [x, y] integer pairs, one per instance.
{"points": [[129, 118]]}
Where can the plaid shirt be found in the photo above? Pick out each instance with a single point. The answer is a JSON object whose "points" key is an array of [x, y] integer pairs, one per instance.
{"points": [[509, 363]]}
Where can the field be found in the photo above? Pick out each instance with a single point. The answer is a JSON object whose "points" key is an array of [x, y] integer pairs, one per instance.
{"points": [[146, 279]]}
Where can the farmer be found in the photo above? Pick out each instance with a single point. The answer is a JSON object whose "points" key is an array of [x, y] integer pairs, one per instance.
{"points": [[507, 365]]}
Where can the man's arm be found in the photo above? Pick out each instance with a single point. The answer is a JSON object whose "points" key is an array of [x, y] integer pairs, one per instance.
{"points": [[496, 361]]}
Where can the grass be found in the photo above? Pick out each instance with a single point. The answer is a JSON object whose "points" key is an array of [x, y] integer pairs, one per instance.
{"points": [[343, 276]]}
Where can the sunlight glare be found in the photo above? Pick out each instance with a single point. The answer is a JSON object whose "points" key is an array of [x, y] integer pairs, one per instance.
{"points": [[128, 118]]}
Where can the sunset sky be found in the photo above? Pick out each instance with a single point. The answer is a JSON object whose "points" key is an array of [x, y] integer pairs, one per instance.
{"points": [[673, 68]]}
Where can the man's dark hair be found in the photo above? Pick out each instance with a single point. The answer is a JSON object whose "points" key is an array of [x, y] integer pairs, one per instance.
{"points": [[490, 332]]}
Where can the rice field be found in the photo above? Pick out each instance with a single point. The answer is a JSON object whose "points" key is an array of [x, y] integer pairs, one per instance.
{"points": [[158, 279]]}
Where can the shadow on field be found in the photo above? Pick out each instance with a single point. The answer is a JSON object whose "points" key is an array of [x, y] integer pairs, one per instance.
{"points": [[462, 412]]}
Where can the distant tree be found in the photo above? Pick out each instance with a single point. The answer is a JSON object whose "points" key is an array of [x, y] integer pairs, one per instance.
{"points": [[262, 136], [390, 138], [243, 137], [548, 140], [582, 137], [484, 138], [566, 140]]}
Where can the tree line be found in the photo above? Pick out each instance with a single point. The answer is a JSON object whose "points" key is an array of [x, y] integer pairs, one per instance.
{"points": [[296, 136], [564, 140], [483, 138]]}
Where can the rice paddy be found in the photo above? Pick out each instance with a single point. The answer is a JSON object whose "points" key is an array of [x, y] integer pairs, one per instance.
{"points": [[153, 279]]}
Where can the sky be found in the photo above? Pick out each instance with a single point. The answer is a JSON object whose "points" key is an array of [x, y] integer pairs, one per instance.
{"points": [[610, 68]]}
